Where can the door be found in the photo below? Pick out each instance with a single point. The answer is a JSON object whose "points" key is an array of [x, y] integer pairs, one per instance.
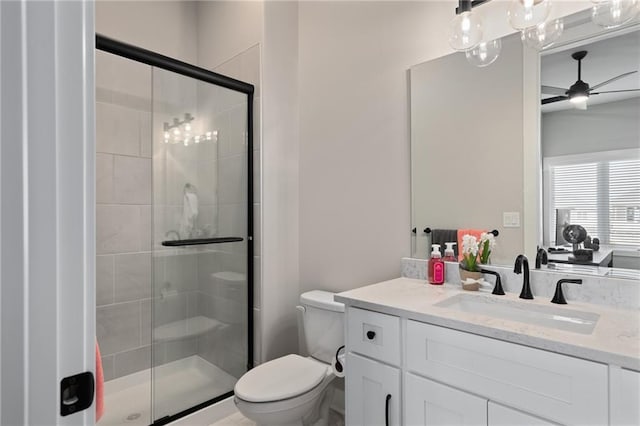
{"points": [[429, 403], [47, 289], [503, 416], [373, 393]]}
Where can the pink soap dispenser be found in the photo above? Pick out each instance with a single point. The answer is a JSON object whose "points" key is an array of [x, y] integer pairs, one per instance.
{"points": [[436, 266], [449, 254]]}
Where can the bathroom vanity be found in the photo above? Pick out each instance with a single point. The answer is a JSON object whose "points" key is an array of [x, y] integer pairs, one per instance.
{"points": [[436, 355]]}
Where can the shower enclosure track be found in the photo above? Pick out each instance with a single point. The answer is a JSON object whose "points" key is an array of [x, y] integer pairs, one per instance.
{"points": [[154, 59]]}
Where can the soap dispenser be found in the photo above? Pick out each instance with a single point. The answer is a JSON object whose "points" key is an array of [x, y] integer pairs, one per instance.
{"points": [[436, 266], [449, 254]]}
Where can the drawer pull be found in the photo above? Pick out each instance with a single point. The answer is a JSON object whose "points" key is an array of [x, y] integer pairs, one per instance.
{"points": [[371, 335], [386, 410]]}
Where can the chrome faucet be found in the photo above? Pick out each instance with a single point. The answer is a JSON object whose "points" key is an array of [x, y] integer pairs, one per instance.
{"points": [[523, 262], [541, 258]]}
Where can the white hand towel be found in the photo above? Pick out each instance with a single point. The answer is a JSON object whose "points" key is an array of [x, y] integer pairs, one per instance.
{"points": [[189, 214]]}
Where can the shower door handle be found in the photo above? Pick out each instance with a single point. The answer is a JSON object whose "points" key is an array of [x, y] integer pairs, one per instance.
{"points": [[201, 241]]}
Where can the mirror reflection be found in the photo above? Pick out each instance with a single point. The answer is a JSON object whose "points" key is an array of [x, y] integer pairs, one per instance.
{"points": [[590, 127], [469, 150]]}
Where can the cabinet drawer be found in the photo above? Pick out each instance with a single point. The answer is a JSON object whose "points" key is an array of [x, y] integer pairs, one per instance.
{"points": [[553, 386], [374, 335]]}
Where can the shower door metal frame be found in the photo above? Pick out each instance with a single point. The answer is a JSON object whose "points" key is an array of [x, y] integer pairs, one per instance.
{"points": [[154, 59]]}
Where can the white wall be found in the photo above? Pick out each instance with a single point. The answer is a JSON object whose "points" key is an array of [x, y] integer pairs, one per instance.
{"points": [[354, 130], [166, 27], [602, 127]]}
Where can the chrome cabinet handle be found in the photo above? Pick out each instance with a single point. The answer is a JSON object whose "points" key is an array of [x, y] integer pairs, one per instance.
{"points": [[386, 410]]}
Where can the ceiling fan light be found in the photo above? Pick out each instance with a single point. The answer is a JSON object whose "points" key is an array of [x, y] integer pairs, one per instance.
{"points": [[613, 13], [578, 99], [528, 13], [543, 35], [485, 53], [465, 31]]}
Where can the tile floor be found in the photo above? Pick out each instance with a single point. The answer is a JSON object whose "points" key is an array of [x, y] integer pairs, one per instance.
{"points": [[237, 419]]}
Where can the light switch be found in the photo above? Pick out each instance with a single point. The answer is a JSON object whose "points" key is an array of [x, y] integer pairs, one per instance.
{"points": [[511, 219]]}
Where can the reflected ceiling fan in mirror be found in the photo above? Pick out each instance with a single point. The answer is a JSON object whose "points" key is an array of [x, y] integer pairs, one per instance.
{"points": [[579, 92]]}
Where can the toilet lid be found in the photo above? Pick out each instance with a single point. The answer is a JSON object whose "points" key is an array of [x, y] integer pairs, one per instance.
{"points": [[282, 378]]}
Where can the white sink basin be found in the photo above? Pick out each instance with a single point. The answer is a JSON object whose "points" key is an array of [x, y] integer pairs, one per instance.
{"points": [[545, 316]]}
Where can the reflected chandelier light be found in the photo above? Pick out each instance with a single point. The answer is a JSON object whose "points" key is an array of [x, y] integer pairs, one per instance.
{"points": [[180, 131], [531, 18]]}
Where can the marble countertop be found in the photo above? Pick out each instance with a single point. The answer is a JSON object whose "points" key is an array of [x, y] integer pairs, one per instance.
{"points": [[615, 339]]}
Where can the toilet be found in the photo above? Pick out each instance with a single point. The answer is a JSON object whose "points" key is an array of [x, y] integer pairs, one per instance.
{"points": [[294, 390]]}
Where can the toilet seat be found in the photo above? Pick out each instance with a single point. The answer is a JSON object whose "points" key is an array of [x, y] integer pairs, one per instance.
{"points": [[280, 379]]}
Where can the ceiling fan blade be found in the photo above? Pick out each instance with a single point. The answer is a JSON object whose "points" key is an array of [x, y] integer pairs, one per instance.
{"points": [[615, 91], [554, 99], [552, 90], [611, 80]]}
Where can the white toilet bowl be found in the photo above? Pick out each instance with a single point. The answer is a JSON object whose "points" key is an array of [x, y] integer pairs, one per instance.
{"points": [[288, 391], [293, 390]]}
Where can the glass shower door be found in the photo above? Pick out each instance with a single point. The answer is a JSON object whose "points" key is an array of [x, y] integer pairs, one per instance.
{"points": [[200, 255]]}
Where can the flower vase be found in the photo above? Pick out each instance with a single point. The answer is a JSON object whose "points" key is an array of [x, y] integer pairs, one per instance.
{"points": [[464, 275]]}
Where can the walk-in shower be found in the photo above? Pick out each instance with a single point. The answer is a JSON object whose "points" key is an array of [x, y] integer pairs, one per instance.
{"points": [[174, 234]]}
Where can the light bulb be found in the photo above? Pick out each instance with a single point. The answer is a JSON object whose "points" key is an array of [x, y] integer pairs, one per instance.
{"points": [[465, 31], [613, 13], [543, 35], [187, 127], [186, 142], [196, 139], [578, 99], [208, 136], [485, 53], [176, 132], [528, 13]]}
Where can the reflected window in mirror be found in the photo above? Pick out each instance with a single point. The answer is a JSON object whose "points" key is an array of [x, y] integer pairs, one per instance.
{"points": [[591, 149]]}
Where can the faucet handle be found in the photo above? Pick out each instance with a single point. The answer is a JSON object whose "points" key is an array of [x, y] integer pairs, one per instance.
{"points": [[558, 297], [497, 289]]}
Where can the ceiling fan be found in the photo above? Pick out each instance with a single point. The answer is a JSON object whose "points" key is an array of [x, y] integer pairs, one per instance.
{"points": [[580, 91]]}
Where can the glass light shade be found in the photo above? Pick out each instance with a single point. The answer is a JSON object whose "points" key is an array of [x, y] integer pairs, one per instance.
{"points": [[465, 31], [613, 13], [543, 35], [578, 99], [528, 13], [485, 53]]}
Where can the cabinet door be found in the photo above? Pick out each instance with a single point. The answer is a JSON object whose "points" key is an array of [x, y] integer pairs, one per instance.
{"points": [[625, 394], [503, 416], [430, 403], [373, 393]]}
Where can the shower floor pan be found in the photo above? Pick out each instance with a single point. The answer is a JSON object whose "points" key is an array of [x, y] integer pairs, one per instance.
{"points": [[179, 385]]}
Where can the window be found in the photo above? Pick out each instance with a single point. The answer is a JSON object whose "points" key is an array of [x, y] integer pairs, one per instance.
{"points": [[600, 191]]}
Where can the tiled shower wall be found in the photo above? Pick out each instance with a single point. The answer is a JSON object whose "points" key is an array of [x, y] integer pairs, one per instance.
{"points": [[123, 214]]}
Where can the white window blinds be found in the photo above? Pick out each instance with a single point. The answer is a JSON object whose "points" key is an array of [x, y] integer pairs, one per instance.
{"points": [[600, 191]]}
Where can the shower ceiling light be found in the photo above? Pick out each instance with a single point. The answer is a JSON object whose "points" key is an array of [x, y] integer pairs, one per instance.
{"points": [[181, 131]]}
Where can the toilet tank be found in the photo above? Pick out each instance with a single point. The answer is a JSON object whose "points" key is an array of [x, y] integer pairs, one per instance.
{"points": [[323, 323]]}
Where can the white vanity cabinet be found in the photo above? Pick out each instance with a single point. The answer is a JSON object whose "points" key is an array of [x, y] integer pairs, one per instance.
{"points": [[373, 393], [428, 403], [625, 397], [440, 376]]}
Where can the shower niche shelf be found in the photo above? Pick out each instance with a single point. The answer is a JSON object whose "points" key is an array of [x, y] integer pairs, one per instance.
{"points": [[188, 327]]}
